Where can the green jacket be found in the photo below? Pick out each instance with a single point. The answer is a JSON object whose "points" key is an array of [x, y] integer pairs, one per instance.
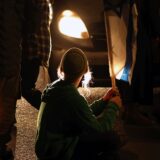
{"points": [[64, 115]]}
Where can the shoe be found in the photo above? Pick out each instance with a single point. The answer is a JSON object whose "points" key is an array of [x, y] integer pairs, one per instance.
{"points": [[33, 96]]}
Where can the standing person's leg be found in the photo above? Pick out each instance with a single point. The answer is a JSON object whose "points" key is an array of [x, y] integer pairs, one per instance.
{"points": [[29, 74], [9, 92], [98, 146]]}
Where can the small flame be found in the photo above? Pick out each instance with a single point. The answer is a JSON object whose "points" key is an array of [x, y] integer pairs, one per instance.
{"points": [[119, 74], [86, 80], [85, 83]]}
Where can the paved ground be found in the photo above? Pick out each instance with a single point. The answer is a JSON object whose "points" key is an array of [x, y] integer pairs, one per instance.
{"points": [[26, 131]]}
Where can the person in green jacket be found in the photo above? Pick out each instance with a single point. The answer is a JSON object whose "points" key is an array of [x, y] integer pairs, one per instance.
{"points": [[67, 127]]}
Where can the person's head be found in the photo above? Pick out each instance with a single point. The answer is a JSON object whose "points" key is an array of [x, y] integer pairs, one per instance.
{"points": [[73, 65]]}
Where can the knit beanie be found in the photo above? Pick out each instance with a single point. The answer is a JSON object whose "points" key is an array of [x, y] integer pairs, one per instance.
{"points": [[74, 63]]}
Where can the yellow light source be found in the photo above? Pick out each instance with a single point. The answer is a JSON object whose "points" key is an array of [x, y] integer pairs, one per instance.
{"points": [[70, 24]]}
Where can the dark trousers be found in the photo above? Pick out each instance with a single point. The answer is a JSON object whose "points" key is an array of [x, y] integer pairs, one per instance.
{"points": [[98, 146], [29, 74]]}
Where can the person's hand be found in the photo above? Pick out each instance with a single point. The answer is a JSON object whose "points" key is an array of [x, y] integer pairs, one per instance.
{"points": [[109, 94], [117, 100]]}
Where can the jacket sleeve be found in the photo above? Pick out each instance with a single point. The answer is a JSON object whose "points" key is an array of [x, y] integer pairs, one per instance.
{"points": [[88, 122], [97, 107]]}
